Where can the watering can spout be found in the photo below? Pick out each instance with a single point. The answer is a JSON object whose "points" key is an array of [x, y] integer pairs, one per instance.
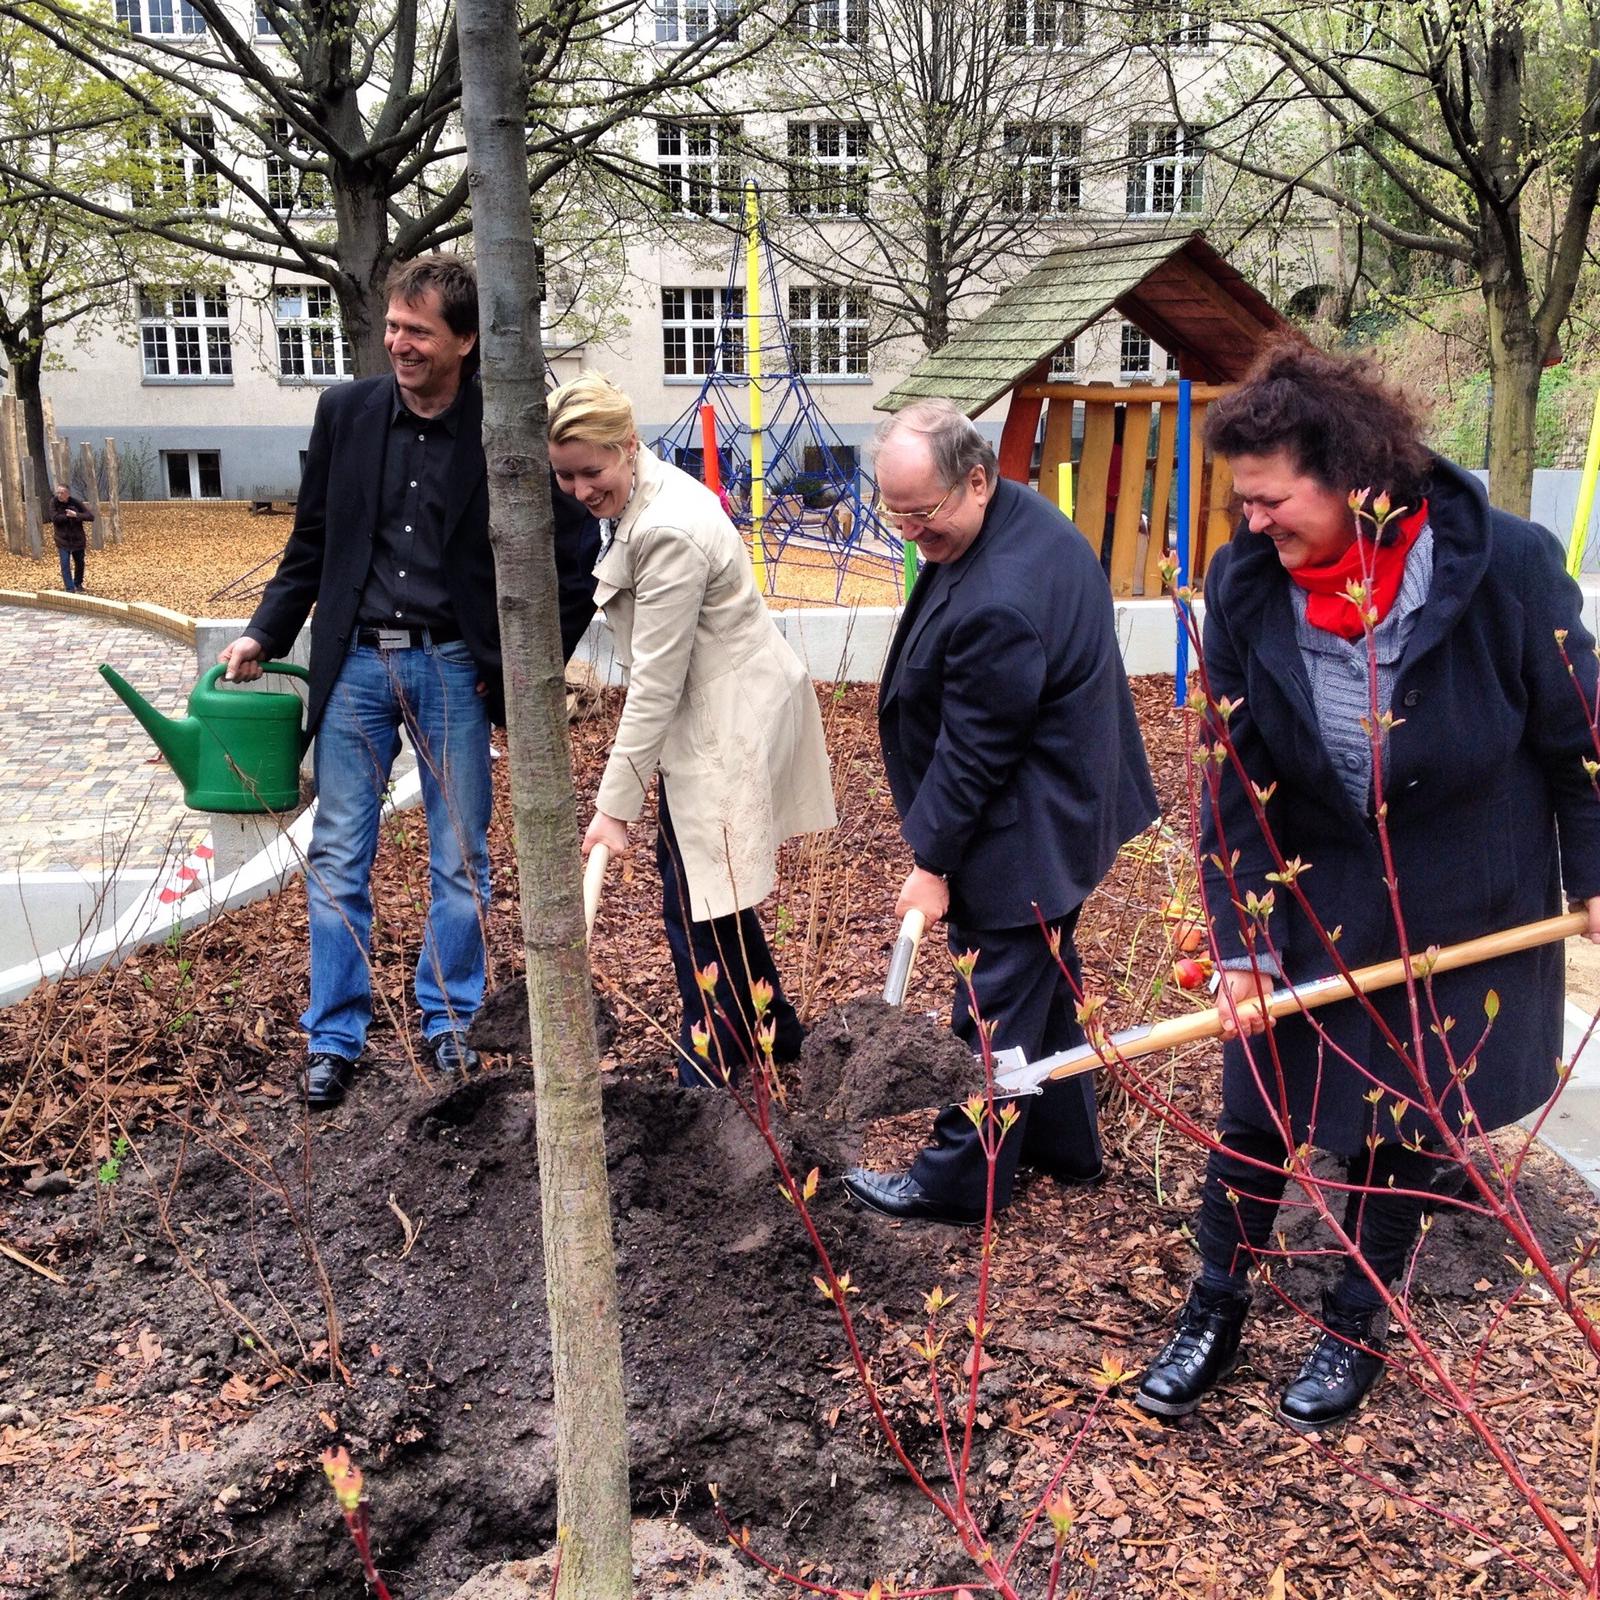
{"points": [[178, 741]]}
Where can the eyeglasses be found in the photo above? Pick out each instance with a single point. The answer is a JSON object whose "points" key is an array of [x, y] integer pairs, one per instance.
{"points": [[899, 519]]}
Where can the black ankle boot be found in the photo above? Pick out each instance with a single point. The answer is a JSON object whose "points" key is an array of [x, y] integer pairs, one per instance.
{"points": [[1334, 1378], [1199, 1355]]}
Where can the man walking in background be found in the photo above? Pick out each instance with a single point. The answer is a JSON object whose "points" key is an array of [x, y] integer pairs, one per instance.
{"points": [[67, 514], [1015, 761], [391, 540]]}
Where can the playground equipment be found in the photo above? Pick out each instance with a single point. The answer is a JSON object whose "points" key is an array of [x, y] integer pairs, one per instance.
{"points": [[756, 436], [236, 751]]}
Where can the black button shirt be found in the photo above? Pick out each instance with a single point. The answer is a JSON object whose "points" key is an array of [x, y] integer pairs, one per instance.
{"points": [[406, 583]]}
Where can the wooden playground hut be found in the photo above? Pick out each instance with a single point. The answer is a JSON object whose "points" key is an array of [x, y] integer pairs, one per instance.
{"points": [[1186, 298]]}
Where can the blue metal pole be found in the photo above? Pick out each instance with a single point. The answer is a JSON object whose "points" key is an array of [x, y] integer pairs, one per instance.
{"points": [[1180, 688]]}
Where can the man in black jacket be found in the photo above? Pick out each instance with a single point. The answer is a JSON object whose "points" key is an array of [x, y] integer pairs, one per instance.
{"points": [[391, 540], [1015, 761]]}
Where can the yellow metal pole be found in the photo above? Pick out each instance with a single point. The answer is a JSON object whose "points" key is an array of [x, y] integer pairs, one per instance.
{"points": [[752, 362], [1580, 517], [1064, 488]]}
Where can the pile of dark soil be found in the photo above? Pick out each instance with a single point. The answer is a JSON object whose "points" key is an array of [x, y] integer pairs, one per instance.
{"points": [[424, 1209]]}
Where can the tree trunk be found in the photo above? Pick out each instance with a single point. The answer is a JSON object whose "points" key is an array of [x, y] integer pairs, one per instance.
{"points": [[1516, 363], [592, 1502], [365, 257], [27, 362]]}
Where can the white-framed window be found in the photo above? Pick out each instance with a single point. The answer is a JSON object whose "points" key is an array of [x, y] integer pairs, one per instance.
{"points": [[266, 28], [311, 341], [699, 166], [1063, 362], [159, 16], [1136, 352], [184, 335], [1165, 176], [1043, 24], [174, 168], [1044, 167], [828, 331], [1171, 24], [192, 474], [832, 21], [702, 331], [828, 169], [291, 187], [690, 21]]}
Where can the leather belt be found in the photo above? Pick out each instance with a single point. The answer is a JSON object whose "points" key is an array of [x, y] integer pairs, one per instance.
{"points": [[405, 638]]}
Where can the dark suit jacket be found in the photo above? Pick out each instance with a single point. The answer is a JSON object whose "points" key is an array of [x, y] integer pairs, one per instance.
{"points": [[1489, 812], [1007, 727], [330, 549]]}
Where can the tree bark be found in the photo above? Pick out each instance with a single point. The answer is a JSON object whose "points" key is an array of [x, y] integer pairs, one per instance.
{"points": [[27, 364], [592, 1503], [1516, 363]]}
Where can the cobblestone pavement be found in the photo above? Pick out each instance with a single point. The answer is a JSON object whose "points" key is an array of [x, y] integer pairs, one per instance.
{"points": [[76, 782]]}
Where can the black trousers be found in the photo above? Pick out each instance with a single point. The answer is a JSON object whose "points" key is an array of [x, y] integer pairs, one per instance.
{"points": [[739, 948], [1023, 992], [1385, 1224]]}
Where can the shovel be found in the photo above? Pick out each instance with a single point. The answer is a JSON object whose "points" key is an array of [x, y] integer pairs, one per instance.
{"points": [[1014, 1074], [594, 877], [903, 957]]}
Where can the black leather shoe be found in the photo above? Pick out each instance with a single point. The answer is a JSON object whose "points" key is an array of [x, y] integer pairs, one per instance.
{"points": [[1202, 1351], [452, 1055], [895, 1194], [328, 1077], [1335, 1377]]}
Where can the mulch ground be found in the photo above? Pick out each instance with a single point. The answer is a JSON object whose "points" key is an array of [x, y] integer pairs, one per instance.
{"points": [[163, 1397]]}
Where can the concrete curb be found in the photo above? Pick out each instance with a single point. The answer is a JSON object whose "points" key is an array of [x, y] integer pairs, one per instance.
{"points": [[130, 613]]}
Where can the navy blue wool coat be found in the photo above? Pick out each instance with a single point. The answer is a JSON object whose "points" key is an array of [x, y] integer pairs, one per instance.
{"points": [[1007, 728], [1490, 812]]}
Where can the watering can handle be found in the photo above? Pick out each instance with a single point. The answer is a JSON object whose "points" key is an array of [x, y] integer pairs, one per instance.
{"points": [[212, 673]]}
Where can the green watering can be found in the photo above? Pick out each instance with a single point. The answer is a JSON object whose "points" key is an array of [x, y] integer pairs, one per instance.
{"points": [[235, 751]]}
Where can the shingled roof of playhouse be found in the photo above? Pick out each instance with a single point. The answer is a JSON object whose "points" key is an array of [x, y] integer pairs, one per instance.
{"points": [[1179, 290]]}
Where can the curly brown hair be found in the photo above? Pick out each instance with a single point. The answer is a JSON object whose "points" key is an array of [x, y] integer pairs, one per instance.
{"points": [[1340, 420]]}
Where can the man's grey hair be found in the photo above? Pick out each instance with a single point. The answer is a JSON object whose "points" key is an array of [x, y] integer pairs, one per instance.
{"points": [[953, 438]]}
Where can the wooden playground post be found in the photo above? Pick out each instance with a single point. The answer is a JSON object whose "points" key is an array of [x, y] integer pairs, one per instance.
{"points": [[91, 480], [11, 478], [30, 511], [114, 491]]}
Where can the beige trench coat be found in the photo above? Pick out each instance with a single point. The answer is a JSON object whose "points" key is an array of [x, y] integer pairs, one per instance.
{"points": [[716, 698]]}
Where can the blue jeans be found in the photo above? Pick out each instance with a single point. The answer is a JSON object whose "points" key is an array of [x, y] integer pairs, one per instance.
{"points": [[432, 692], [71, 570]]}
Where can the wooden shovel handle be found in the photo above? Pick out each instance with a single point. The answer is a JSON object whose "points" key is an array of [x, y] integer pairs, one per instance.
{"points": [[903, 957], [594, 877], [1283, 1002]]}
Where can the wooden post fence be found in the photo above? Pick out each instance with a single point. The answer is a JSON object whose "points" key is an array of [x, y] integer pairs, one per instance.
{"points": [[114, 491], [11, 478], [91, 490]]}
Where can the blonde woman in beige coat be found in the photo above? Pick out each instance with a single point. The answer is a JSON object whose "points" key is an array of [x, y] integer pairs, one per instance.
{"points": [[718, 705]]}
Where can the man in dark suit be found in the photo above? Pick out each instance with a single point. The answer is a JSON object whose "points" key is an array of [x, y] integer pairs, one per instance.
{"points": [[1015, 761], [391, 540]]}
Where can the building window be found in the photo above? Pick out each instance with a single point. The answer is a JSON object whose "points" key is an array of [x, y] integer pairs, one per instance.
{"points": [[175, 168], [690, 21], [832, 21], [828, 169], [702, 331], [1135, 352], [1170, 24], [193, 474], [184, 334], [699, 167], [1164, 172], [1040, 24], [290, 185], [266, 26], [160, 16], [1064, 362], [311, 343], [828, 332], [1045, 168]]}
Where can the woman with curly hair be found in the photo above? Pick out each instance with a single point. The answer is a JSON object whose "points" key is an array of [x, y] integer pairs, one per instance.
{"points": [[1450, 651]]}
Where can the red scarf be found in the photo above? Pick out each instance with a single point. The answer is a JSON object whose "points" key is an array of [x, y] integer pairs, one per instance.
{"points": [[1328, 606]]}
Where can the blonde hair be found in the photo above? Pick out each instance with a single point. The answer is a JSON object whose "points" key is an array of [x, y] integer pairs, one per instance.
{"points": [[592, 410]]}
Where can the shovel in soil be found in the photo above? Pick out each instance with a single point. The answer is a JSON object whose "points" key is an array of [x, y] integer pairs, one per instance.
{"points": [[903, 957], [1014, 1074]]}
